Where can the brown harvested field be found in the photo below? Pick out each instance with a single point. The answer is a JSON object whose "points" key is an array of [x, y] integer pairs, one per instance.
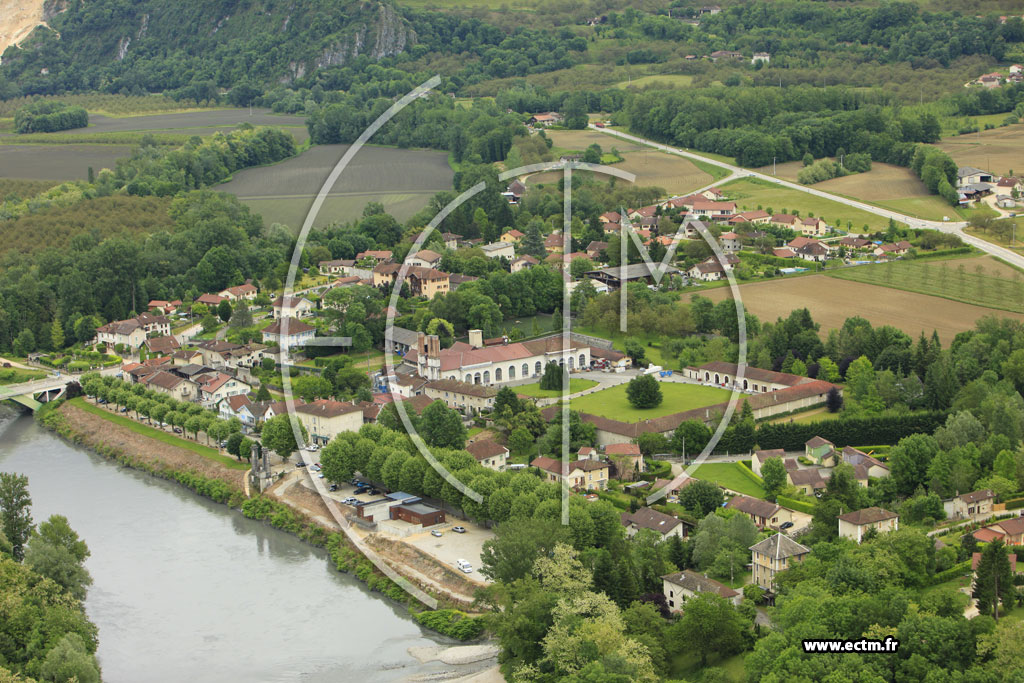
{"points": [[674, 174], [831, 301], [998, 150], [883, 181]]}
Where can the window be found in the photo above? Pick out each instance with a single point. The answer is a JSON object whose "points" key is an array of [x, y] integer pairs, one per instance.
{"points": [[497, 375], [487, 376], [570, 363], [526, 370], [583, 361], [536, 368], [511, 372]]}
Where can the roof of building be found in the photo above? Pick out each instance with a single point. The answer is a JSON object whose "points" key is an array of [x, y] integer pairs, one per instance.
{"points": [[163, 344], [1012, 526], [327, 408], [456, 387], [975, 496], [755, 374], [633, 271], [210, 299], [486, 448], [289, 301], [817, 441], [555, 466], [164, 379], [698, 583], [753, 506], [647, 518], [622, 449], [496, 246], [986, 535], [783, 252], [379, 254], [780, 546], [871, 515], [427, 255], [976, 559], [237, 402], [295, 326], [763, 455], [808, 477]]}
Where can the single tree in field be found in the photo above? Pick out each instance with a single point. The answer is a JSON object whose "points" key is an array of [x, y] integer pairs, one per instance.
{"points": [[773, 472], [241, 316], [644, 392], [714, 623], [14, 511], [994, 580]]}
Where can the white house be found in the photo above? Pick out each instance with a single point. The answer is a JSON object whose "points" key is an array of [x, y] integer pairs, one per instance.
{"points": [[499, 250], [298, 333], [681, 586], [489, 454], [292, 307]]}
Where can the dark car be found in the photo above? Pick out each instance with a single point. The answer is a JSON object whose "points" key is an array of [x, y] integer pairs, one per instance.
{"points": [[300, 464], [177, 430], [374, 492], [333, 487], [786, 525]]}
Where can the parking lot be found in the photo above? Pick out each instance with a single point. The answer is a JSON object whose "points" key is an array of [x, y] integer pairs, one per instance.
{"points": [[452, 546]]}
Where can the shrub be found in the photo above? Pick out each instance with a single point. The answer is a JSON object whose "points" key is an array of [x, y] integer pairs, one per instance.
{"points": [[452, 623]]}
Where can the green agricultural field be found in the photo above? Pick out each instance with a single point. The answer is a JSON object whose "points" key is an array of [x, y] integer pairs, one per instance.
{"points": [[728, 475], [58, 162], [678, 397], [110, 105], [808, 416], [17, 375], [402, 180], [576, 385], [971, 282], [748, 193]]}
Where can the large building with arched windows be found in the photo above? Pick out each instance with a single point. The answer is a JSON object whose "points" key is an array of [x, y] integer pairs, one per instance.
{"points": [[495, 361], [755, 380]]}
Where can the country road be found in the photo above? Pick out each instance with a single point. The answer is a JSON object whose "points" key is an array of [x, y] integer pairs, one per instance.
{"points": [[739, 172]]}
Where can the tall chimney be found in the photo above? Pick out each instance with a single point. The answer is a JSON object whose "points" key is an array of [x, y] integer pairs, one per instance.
{"points": [[421, 345], [433, 346], [476, 338]]}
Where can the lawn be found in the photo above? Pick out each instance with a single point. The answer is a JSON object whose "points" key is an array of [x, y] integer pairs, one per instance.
{"points": [[728, 475], [678, 397], [17, 375], [159, 435], [652, 354], [687, 666], [749, 193], [576, 385], [970, 281]]}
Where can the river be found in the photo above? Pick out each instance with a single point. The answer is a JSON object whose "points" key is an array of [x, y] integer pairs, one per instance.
{"points": [[188, 590]]}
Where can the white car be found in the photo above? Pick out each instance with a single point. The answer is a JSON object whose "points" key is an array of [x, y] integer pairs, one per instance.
{"points": [[465, 566]]}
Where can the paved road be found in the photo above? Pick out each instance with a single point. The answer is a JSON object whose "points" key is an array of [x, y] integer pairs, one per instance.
{"points": [[52, 382], [956, 228]]}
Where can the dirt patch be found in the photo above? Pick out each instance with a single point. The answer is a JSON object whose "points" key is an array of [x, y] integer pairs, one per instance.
{"points": [[309, 503], [95, 431], [17, 19], [403, 556]]}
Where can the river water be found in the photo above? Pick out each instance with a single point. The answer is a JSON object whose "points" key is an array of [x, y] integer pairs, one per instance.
{"points": [[188, 590]]}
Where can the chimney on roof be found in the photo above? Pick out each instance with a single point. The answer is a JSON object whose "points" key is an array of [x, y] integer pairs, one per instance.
{"points": [[476, 339], [421, 343], [433, 346]]}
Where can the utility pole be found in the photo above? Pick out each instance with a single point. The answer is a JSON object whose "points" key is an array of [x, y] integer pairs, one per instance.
{"points": [[773, 165]]}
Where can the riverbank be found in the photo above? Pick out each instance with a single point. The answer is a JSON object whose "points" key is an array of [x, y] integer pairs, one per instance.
{"points": [[306, 516]]}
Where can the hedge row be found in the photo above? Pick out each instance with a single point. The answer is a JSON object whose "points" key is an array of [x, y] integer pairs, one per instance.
{"points": [[1015, 504], [794, 504], [956, 571], [885, 429], [749, 473]]}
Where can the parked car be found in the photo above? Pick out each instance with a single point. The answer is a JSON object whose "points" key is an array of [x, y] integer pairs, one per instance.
{"points": [[300, 464], [786, 525], [464, 566], [374, 492], [321, 475], [332, 487], [437, 533], [177, 430], [459, 529]]}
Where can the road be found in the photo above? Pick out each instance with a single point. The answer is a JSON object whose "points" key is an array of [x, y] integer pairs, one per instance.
{"points": [[955, 228]]}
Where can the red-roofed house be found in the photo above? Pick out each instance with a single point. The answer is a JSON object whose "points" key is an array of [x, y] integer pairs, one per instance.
{"points": [[629, 461], [583, 475]]}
